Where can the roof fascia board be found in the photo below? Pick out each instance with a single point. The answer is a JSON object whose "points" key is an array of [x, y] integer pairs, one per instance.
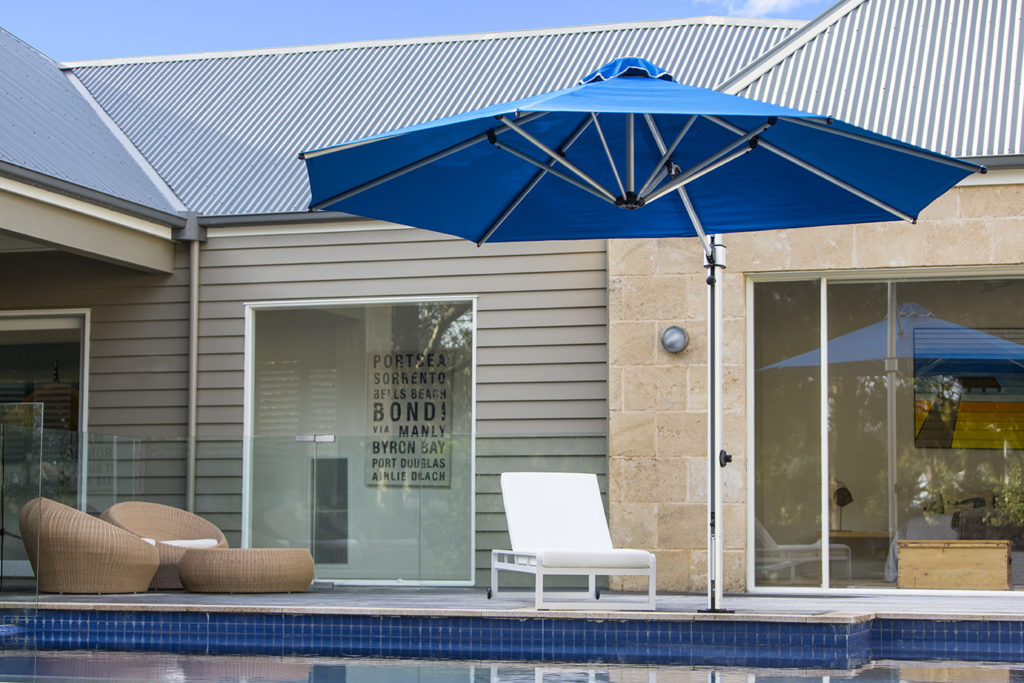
{"points": [[465, 37], [997, 176], [51, 190], [54, 224], [158, 182], [736, 83], [1008, 161]]}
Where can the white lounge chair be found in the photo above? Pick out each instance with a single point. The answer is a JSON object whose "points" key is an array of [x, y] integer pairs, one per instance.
{"points": [[557, 526]]}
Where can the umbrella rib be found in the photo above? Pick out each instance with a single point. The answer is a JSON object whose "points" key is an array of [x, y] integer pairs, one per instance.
{"points": [[811, 168], [683, 194], [688, 178], [419, 163], [630, 156], [608, 153], [528, 188], [713, 161], [559, 158], [606, 196], [662, 168], [885, 144], [695, 220], [666, 153]]}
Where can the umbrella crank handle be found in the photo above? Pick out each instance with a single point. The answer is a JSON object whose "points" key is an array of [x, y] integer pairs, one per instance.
{"points": [[724, 458], [714, 259]]}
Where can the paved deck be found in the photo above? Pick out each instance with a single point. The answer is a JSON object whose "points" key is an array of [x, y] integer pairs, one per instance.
{"points": [[812, 630], [361, 600]]}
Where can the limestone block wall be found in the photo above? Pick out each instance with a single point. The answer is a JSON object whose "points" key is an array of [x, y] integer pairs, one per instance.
{"points": [[658, 401]]}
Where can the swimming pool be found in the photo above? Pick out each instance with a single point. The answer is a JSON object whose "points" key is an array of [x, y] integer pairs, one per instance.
{"points": [[20, 667]]}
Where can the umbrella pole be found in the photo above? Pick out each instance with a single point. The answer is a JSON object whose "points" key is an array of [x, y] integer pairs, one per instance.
{"points": [[714, 261]]}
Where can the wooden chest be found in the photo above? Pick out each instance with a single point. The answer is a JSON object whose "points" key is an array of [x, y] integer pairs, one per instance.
{"points": [[954, 565]]}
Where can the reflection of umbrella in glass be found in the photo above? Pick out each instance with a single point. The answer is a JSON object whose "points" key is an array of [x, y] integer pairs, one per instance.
{"points": [[628, 152], [964, 357], [936, 345]]}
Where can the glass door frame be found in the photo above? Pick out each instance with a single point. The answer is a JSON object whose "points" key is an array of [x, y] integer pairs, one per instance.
{"points": [[56, 318], [249, 406], [881, 275], [84, 315]]}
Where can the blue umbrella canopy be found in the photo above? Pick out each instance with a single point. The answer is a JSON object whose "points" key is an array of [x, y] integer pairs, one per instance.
{"points": [[629, 152]]}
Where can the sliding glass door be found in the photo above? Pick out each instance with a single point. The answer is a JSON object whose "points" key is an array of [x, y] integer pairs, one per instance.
{"points": [[916, 437], [362, 437], [42, 405]]}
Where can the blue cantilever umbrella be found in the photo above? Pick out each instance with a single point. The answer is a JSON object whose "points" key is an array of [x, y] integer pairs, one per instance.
{"points": [[629, 152]]}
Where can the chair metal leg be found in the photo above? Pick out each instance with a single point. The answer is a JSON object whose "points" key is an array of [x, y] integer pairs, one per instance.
{"points": [[539, 587], [651, 585]]}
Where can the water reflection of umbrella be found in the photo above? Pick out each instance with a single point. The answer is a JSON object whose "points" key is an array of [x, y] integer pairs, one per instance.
{"points": [[628, 152]]}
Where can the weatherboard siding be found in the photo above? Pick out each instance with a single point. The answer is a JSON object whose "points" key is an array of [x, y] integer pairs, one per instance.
{"points": [[541, 346], [138, 366], [138, 334], [542, 321], [541, 341]]}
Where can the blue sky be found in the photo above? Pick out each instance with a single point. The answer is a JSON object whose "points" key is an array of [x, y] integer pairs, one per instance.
{"points": [[68, 30]]}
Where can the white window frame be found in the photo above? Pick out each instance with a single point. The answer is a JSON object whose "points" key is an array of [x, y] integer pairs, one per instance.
{"points": [[879, 275]]}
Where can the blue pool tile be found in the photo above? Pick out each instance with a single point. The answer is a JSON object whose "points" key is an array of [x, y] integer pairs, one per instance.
{"points": [[536, 638]]}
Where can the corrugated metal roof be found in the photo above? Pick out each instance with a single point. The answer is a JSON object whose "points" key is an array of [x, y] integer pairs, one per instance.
{"points": [[224, 129], [47, 126], [942, 74]]}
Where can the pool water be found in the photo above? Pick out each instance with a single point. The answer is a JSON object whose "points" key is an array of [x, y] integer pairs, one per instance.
{"points": [[143, 666]]}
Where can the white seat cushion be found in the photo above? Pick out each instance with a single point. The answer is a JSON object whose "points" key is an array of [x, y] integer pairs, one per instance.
{"points": [[618, 558], [193, 543]]}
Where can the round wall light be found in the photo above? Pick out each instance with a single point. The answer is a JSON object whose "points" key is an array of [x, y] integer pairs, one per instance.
{"points": [[674, 339]]}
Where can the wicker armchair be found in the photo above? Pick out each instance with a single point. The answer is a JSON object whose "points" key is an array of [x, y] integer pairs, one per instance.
{"points": [[72, 552], [164, 523]]}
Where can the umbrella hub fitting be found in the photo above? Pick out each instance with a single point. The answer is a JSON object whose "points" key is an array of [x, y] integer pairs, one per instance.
{"points": [[630, 201]]}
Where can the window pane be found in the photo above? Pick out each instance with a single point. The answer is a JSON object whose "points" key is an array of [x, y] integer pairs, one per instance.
{"points": [[787, 436], [960, 410], [859, 449], [362, 446], [40, 410]]}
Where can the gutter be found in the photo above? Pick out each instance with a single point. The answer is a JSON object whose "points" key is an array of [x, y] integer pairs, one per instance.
{"points": [[69, 189], [1008, 161], [290, 218]]}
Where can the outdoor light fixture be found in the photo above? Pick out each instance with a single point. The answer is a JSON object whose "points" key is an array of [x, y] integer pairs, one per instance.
{"points": [[674, 339]]}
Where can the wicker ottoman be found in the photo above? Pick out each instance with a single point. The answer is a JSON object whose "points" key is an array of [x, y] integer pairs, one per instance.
{"points": [[246, 570]]}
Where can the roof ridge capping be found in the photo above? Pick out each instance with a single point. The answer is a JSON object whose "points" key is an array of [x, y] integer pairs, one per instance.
{"points": [[425, 40], [776, 55]]}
